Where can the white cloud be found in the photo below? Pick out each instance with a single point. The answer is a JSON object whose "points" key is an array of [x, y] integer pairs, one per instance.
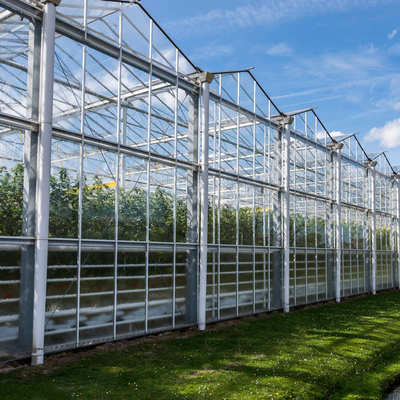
{"points": [[387, 135], [336, 134], [394, 50], [212, 51], [266, 11], [279, 49], [393, 33], [303, 93], [314, 102], [392, 96], [354, 69], [321, 135], [389, 103], [356, 74]]}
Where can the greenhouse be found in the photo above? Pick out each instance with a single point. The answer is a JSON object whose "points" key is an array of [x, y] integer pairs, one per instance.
{"points": [[140, 194]]}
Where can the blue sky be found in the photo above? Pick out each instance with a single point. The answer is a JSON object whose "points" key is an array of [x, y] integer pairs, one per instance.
{"points": [[342, 56]]}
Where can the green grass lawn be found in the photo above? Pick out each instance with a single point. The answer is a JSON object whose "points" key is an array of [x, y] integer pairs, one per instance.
{"points": [[343, 351]]}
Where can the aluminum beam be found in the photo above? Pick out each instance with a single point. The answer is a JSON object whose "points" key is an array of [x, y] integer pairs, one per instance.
{"points": [[277, 222], [373, 225], [286, 220], [103, 46], [192, 212], [204, 206], [29, 192], [43, 180], [338, 222]]}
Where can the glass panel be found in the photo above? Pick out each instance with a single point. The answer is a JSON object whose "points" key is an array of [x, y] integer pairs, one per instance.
{"points": [[160, 290], [228, 287], [300, 278], [228, 217], [183, 203], [131, 295], [262, 282], [14, 33], [346, 274], [186, 288], [292, 280], [132, 199], [322, 278], [311, 277], [15, 307], [11, 182], [98, 201], [97, 296], [64, 189], [61, 299], [101, 81], [212, 286], [161, 203], [67, 93], [246, 283], [246, 214]]}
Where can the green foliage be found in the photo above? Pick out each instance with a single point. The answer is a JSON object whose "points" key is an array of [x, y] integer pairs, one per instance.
{"points": [[245, 226], [98, 210], [227, 224], [98, 215], [132, 215], [11, 185], [161, 216], [64, 199]]}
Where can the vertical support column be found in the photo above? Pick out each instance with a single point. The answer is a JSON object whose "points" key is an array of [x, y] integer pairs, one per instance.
{"points": [[205, 78], [192, 213], [123, 142], [29, 192], [286, 220], [81, 179], [277, 223], [330, 180], [219, 197], [117, 179], [80, 201], [373, 226], [338, 147], [149, 120], [282, 208], [366, 238], [43, 179], [175, 182]]}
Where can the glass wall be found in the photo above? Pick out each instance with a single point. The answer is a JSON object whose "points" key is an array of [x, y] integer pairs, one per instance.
{"points": [[123, 247]]}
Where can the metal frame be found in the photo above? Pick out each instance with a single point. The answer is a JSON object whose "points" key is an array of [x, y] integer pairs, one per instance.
{"points": [[186, 197]]}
